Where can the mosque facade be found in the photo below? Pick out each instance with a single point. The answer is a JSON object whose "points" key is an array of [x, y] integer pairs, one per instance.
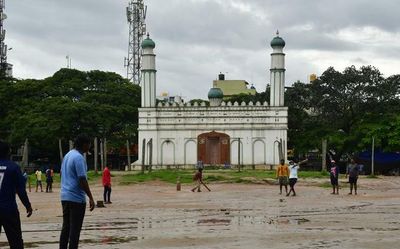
{"points": [[221, 133]]}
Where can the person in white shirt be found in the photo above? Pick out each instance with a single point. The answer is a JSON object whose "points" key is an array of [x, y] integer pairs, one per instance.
{"points": [[293, 168]]}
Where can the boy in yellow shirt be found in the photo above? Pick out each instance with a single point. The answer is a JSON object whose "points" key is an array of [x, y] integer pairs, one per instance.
{"points": [[38, 174], [282, 173]]}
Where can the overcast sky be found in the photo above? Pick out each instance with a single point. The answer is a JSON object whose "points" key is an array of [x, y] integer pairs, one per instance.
{"points": [[197, 39]]}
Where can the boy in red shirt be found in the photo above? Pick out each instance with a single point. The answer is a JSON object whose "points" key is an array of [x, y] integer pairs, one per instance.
{"points": [[107, 185]]}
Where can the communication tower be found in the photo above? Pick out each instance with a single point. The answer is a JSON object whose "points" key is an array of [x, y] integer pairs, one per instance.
{"points": [[136, 15], [3, 47]]}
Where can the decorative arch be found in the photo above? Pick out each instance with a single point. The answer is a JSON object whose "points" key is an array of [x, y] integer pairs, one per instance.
{"points": [[213, 148], [275, 152], [259, 151], [234, 151], [168, 152], [190, 155]]}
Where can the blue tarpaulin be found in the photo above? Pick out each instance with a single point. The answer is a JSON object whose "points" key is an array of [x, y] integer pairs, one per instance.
{"points": [[381, 157]]}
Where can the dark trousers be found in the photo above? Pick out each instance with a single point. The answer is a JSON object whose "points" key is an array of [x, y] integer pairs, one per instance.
{"points": [[73, 214], [107, 193], [12, 227], [39, 183], [49, 186]]}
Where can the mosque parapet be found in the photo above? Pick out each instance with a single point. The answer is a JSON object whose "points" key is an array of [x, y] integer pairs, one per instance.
{"points": [[223, 104]]}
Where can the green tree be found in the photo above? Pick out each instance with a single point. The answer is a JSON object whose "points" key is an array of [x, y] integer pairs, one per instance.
{"points": [[101, 104]]}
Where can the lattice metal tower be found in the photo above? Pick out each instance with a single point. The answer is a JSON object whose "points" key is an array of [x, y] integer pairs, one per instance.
{"points": [[3, 46], [136, 14]]}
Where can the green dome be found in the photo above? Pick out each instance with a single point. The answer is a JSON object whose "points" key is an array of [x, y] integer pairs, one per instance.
{"points": [[215, 93], [278, 42], [148, 43]]}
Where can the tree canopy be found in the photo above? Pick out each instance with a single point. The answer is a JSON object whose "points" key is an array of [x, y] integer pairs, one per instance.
{"points": [[347, 108], [70, 102]]}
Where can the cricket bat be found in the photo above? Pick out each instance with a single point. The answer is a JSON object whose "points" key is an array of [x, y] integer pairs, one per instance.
{"points": [[206, 186]]}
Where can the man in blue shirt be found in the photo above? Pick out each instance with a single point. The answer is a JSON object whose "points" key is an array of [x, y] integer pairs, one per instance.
{"points": [[74, 188], [11, 182]]}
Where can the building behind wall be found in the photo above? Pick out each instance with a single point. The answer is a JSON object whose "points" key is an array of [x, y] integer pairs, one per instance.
{"points": [[233, 87]]}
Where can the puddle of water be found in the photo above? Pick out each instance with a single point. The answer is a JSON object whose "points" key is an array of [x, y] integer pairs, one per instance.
{"points": [[110, 240], [107, 240], [298, 221], [214, 222]]}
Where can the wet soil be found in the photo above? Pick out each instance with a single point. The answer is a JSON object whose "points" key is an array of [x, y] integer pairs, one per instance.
{"points": [[154, 215]]}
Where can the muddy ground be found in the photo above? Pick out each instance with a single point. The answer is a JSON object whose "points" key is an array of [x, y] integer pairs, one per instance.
{"points": [[155, 215]]}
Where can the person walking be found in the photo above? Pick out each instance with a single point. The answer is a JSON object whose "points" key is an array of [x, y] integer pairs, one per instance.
{"points": [[198, 178], [107, 185], [282, 173], [353, 171], [334, 174], [293, 167], [11, 183], [38, 174], [74, 188]]}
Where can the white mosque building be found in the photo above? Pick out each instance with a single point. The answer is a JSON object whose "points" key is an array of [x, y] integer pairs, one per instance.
{"points": [[221, 133]]}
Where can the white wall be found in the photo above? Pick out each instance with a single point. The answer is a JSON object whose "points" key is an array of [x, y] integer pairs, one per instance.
{"points": [[258, 127]]}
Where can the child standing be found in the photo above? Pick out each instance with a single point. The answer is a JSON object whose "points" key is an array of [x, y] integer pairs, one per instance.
{"points": [[353, 171], [107, 185], [334, 177], [282, 173], [38, 174], [49, 180]]}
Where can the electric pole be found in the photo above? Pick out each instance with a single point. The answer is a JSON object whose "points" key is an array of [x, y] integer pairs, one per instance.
{"points": [[5, 68]]}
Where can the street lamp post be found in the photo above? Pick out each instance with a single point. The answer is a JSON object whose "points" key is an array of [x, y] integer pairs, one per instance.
{"points": [[373, 157], [239, 154]]}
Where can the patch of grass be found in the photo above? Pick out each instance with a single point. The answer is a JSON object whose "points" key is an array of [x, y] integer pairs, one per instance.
{"points": [[211, 175], [257, 174], [215, 178], [93, 177], [186, 175], [372, 176], [325, 185], [169, 176], [313, 174]]}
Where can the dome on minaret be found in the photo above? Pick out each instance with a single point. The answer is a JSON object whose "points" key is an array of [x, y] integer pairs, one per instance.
{"points": [[148, 43], [278, 41]]}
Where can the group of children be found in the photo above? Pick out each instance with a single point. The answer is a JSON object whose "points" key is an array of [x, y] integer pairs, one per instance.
{"points": [[288, 174], [38, 177], [352, 171]]}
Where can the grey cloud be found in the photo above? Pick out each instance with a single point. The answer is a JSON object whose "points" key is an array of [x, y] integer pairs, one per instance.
{"points": [[196, 39]]}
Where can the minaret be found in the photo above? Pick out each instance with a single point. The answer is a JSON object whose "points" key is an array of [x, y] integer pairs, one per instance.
{"points": [[277, 77], [148, 77]]}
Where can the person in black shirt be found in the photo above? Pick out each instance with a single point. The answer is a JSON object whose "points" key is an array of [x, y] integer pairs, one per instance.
{"points": [[353, 171], [11, 183]]}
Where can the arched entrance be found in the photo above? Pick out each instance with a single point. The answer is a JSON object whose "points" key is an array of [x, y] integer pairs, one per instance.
{"points": [[213, 148]]}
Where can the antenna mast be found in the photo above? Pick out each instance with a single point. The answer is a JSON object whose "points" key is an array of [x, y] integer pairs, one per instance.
{"points": [[3, 46], [136, 15]]}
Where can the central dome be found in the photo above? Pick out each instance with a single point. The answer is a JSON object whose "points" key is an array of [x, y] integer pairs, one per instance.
{"points": [[215, 96], [215, 93]]}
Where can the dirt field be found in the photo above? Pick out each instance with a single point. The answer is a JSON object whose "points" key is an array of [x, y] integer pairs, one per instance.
{"points": [[154, 215]]}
